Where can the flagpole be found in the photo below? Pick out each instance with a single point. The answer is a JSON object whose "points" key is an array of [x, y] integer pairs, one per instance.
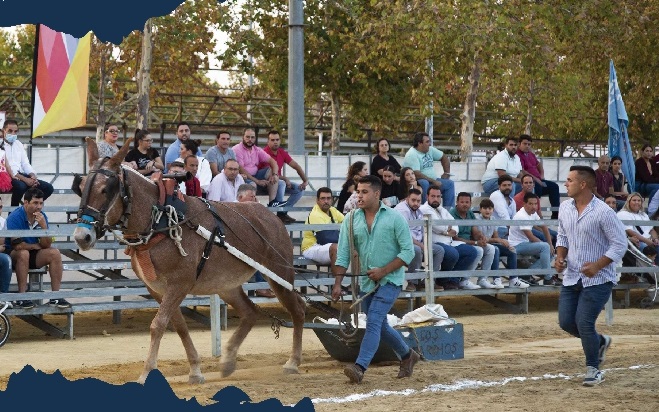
{"points": [[35, 62]]}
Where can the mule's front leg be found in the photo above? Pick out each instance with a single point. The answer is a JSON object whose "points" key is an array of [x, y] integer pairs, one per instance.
{"points": [[178, 321], [169, 305]]}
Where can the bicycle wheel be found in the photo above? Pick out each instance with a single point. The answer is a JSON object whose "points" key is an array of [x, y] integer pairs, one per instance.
{"points": [[5, 329]]}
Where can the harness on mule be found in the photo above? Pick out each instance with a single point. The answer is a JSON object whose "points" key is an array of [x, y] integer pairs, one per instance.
{"points": [[217, 233]]}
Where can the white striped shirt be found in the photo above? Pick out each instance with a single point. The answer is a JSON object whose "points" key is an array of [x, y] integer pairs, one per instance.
{"points": [[597, 232]]}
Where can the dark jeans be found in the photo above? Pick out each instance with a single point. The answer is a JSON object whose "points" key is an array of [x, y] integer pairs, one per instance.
{"points": [[511, 257], [19, 188], [460, 257], [578, 309], [5, 272]]}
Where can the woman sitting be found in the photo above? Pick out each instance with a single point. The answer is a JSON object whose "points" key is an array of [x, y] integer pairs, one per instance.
{"points": [[647, 173], [355, 171], [390, 187], [382, 160], [407, 182], [146, 158], [640, 236], [618, 186]]}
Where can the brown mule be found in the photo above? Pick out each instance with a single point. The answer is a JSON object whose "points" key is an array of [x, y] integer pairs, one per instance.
{"points": [[249, 227]]}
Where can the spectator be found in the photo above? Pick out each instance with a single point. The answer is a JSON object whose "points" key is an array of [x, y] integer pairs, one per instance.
{"points": [[533, 166], [143, 155], [178, 167], [24, 176], [526, 243], [189, 148], [647, 173], [457, 255], [174, 150], [410, 211], [247, 193], [604, 178], [619, 187], [504, 248], [5, 260], [640, 236], [292, 189], [5, 170], [249, 157], [527, 187], [320, 246], [420, 158], [504, 204], [192, 186], [390, 187], [505, 162], [471, 235], [407, 181], [108, 146], [382, 159], [355, 171], [220, 153], [224, 187], [33, 252], [611, 201]]}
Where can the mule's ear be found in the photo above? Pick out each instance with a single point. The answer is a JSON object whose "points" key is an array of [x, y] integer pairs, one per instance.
{"points": [[92, 151], [121, 154], [76, 186]]}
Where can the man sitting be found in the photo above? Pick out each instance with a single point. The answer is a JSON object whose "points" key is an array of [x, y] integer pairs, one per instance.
{"points": [[504, 204], [604, 177], [33, 252], [320, 246], [528, 185], [491, 233], [420, 158], [526, 243], [409, 208], [192, 186], [457, 255], [224, 186], [505, 162], [533, 166]]}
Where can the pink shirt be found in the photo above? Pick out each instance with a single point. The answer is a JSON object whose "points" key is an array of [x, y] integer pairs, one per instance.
{"points": [[281, 158], [529, 163], [250, 159]]}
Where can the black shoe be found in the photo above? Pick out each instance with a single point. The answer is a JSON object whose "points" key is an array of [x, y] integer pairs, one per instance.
{"points": [[60, 303], [24, 304], [284, 217], [530, 280]]}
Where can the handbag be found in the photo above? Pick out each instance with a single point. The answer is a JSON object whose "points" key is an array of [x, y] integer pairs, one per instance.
{"points": [[324, 237], [5, 182]]}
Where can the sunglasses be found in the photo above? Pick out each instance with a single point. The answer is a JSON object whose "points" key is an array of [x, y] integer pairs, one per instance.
{"points": [[113, 131]]}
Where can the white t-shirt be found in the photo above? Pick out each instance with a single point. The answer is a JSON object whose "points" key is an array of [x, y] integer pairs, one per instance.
{"points": [[626, 215], [516, 236], [502, 161], [438, 229]]}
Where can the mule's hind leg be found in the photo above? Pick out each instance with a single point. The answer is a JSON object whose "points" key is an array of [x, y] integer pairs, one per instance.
{"points": [[247, 313], [169, 304], [296, 308]]}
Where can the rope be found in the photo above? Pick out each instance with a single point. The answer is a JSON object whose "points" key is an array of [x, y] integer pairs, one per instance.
{"points": [[175, 229]]}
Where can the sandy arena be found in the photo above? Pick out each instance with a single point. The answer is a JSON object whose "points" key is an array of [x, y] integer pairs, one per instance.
{"points": [[512, 362]]}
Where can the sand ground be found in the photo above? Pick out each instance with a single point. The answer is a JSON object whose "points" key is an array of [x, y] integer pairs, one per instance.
{"points": [[512, 362]]}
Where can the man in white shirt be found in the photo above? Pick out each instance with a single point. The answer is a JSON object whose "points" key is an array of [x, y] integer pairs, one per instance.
{"points": [[24, 175], [504, 204], [224, 187], [526, 243], [457, 255], [409, 208], [505, 162]]}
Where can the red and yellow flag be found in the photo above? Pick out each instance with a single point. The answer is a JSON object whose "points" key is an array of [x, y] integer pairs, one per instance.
{"points": [[61, 79]]}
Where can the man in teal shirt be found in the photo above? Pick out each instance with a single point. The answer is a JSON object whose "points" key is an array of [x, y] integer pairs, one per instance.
{"points": [[382, 240], [421, 157]]}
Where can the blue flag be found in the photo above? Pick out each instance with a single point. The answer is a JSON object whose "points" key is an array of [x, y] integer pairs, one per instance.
{"points": [[618, 122]]}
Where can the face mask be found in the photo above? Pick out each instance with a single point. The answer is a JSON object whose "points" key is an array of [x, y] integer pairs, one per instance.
{"points": [[11, 138]]}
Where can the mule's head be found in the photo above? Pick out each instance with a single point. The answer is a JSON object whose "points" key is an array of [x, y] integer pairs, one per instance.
{"points": [[100, 192]]}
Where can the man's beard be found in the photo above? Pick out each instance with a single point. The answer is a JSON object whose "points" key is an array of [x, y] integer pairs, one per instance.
{"points": [[506, 192], [434, 205]]}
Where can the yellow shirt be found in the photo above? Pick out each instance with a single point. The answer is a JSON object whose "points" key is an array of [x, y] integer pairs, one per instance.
{"points": [[318, 217]]}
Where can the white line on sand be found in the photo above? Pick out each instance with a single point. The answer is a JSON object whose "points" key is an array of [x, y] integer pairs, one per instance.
{"points": [[462, 385]]}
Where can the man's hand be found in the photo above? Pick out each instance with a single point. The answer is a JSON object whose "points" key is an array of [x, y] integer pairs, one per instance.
{"points": [[590, 269], [260, 182], [560, 264], [40, 219], [451, 232], [375, 274], [336, 292], [303, 185], [273, 179]]}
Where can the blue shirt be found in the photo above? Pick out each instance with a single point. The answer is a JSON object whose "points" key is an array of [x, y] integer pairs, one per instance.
{"points": [[17, 220], [597, 232], [389, 238], [173, 152]]}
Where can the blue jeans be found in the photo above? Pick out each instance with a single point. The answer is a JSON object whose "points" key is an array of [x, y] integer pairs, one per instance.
{"points": [[376, 306], [261, 175], [540, 249], [647, 190], [578, 309], [541, 235], [447, 189], [18, 188], [511, 257], [5, 272], [437, 258], [462, 257], [294, 192]]}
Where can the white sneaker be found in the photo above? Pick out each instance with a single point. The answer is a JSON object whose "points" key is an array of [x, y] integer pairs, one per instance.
{"points": [[468, 284], [517, 283], [485, 284], [497, 283]]}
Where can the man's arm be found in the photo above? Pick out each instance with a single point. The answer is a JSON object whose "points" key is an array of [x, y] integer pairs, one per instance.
{"points": [[300, 172], [541, 169], [446, 165], [517, 178]]}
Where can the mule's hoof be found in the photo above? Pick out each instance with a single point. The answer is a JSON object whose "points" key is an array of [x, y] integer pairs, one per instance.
{"points": [[226, 369], [196, 379], [291, 370], [142, 379]]}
